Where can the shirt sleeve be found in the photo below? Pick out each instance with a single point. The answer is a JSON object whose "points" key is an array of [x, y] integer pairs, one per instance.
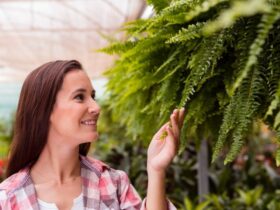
{"points": [[4, 204], [130, 199]]}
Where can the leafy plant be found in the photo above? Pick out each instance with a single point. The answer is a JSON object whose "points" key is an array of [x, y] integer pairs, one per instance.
{"points": [[5, 140], [218, 58], [189, 205], [244, 200], [5, 137]]}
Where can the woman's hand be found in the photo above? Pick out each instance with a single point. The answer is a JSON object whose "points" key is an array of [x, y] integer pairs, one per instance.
{"points": [[163, 148]]}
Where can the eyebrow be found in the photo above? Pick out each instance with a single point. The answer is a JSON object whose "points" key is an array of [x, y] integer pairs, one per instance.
{"points": [[83, 91]]}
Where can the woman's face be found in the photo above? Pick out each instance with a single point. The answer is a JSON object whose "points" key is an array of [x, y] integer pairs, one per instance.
{"points": [[75, 113]]}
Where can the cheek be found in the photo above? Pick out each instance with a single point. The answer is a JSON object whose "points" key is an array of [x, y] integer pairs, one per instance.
{"points": [[65, 118]]}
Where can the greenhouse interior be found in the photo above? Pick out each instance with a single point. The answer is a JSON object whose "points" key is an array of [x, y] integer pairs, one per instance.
{"points": [[140, 104]]}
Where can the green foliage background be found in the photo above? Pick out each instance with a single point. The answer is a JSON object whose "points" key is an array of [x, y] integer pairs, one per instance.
{"points": [[218, 58], [5, 136]]}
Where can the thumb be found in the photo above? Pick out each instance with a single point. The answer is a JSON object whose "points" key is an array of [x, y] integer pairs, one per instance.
{"points": [[171, 142]]}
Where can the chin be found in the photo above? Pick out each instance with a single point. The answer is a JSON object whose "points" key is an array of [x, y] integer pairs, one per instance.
{"points": [[96, 136], [91, 138]]}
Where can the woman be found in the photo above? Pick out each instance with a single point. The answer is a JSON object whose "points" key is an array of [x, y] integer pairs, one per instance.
{"points": [[48, 168]]}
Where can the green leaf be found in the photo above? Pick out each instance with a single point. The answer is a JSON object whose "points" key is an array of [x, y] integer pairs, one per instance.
{"points": [[188, 204], [158, 4]]}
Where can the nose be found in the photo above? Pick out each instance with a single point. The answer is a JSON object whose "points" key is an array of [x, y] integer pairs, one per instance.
{"points": [[94, 108]]}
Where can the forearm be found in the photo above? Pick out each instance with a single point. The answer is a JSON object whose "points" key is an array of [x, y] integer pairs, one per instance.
{"points": [[156, 198]]}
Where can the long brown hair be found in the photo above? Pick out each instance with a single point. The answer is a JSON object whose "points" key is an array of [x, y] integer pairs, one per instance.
{"points": [[37, 98]]}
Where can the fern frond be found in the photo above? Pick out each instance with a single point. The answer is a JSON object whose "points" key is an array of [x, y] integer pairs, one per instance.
{"points": [[135, 28], [274, 106], [185, 34], [277, 121], [204, 7], [265, 25], [168, 95], [146, 45], [158, 4], [176, 11], [277, 157], [249, 100], [273, 76], [118, 47], [229, 122], [239, 9], [247, 28], [239, 114], [201, 107], [170, 59], [202, 64], [181, 64]]}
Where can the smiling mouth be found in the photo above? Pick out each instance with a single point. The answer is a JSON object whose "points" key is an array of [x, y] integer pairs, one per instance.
{"points": [[88, 122]]}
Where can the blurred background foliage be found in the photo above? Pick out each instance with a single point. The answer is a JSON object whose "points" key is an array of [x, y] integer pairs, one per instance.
{"points": [[5, 140]]}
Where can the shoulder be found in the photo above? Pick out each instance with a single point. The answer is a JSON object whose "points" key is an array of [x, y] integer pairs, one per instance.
{"points": [[13, 183], [93, 165], [105, 171]]}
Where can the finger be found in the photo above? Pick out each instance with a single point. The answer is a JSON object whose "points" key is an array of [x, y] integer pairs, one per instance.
{"points": [[171, 141], [174, 123], [176, 112], [181, 117]]}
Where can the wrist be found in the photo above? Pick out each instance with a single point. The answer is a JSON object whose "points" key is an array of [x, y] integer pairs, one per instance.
{"points": [[159, 173]]}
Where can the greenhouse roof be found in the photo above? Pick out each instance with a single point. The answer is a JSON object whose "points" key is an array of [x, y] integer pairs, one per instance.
{"points": [[34, 32]]}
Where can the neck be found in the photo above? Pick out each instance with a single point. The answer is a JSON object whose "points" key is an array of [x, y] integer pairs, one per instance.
{"points": [[57, 163]]}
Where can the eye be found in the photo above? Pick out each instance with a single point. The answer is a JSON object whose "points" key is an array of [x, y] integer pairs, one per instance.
{"points": [[79, 97], [93, 96]]}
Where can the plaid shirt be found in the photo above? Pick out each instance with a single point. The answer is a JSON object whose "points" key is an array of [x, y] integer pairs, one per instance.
{"points": [[103, 189]]}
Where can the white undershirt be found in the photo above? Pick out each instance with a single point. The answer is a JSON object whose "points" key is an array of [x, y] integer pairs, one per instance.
{"points": [[78, 204]]}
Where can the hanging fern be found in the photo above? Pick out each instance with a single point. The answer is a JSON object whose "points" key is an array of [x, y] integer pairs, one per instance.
{"points": [[219, 58], [158, 4], [265, 25], [202, 8], [203, 64], [193, 31], [238, 9]]}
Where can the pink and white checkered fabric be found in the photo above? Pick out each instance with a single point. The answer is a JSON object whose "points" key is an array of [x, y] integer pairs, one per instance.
{"points": [[103, 189]]}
